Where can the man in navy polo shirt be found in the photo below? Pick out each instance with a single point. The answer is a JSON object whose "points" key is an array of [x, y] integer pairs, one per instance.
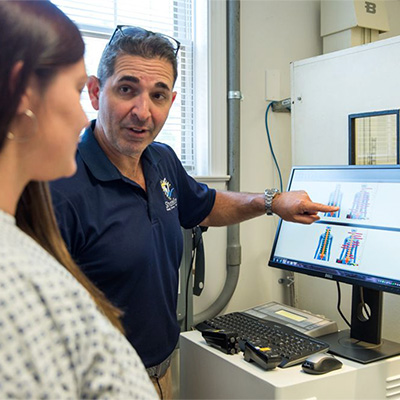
{"points": [[121, 214]]}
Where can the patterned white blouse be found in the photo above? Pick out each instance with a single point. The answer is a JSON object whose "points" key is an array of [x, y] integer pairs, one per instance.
{"points": [[54, 343]]}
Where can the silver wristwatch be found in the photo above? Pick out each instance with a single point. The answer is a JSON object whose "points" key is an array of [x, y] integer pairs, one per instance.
{"points": [[269, 194]]}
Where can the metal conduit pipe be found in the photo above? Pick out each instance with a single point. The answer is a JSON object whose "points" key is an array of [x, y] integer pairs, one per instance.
{"points": [[234, 96]]}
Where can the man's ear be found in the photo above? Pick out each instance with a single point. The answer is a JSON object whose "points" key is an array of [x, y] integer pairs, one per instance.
{"points": [[93, 86], [173, 97]]}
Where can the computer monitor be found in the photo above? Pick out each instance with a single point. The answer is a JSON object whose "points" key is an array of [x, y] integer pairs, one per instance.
{"points": [[358, 245]]}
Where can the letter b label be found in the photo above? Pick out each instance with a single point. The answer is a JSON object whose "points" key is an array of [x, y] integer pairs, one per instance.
{"points": [[370, 7]]}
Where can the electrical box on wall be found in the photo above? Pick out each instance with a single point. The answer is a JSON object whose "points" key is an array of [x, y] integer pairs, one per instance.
{"points": [[352, 22]]}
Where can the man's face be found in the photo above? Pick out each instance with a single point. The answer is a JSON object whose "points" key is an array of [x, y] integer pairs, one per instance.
{"points": [[133, 104]]}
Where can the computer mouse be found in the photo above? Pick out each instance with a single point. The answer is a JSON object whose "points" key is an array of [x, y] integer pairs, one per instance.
{"points": [[321, 363]]}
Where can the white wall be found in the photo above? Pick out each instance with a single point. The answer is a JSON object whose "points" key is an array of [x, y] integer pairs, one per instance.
{"points": [[273, 34], [331, 87]]}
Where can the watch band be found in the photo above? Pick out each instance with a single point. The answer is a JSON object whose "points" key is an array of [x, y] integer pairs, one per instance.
{"points": [[269, 195]]}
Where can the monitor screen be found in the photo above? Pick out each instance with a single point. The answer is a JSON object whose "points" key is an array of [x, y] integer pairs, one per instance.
{"points": [[359, 244]]}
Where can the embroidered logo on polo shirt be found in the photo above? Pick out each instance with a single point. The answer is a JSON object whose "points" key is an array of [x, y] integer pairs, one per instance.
{"points": [[168, 191]]}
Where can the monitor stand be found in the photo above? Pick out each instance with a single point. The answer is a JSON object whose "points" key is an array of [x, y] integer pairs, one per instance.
{"points": [[363, 342]]}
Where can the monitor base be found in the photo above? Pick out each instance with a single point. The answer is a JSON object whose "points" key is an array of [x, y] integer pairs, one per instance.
{"points": [[341, 344]]}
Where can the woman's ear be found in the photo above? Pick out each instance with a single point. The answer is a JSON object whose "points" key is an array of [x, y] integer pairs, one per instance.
{"points": [[25, 102], [24, 122], [14, 76]]}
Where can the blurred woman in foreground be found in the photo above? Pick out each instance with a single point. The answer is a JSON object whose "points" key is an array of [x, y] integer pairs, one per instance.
{"points": [[59, 335]]}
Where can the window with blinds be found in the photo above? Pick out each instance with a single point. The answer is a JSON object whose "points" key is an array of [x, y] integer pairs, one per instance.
{"points": [[374, 138], [97, 19]]}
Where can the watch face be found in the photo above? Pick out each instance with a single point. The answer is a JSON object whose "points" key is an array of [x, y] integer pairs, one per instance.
{"points": [[269, 195]]}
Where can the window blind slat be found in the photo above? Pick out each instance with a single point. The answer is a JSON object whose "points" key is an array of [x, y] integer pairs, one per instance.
{"points": [[171, 17]]}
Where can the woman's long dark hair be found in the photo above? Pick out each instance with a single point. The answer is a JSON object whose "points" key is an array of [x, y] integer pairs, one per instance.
{"points": [[45, 40]]}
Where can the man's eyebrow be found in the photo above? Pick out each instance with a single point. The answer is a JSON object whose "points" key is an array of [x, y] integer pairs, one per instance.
{"points": [[162, 85], [129, 78], [134, 79]]}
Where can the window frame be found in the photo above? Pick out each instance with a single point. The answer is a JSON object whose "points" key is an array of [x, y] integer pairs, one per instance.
{"points": [[209, 87]]}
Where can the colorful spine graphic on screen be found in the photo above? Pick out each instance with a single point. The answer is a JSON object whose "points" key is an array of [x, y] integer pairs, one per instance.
{"points": [[335, 199], [323, 251], [350, 247], [360, 204]]}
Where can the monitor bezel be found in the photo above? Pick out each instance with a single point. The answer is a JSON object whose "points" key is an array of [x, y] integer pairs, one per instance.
{"points": [[330, 273]]}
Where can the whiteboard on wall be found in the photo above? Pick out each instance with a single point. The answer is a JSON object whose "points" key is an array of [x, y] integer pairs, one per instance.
{"points": [[326, 89]]}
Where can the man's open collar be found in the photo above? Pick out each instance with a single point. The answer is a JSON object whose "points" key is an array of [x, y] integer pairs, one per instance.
{"points": [[98, 162]]}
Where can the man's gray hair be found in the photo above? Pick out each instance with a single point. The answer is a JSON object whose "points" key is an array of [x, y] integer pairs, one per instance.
{"points": [[153, 46]]}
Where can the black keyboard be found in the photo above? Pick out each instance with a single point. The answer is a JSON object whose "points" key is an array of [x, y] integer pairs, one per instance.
{"points": [[293, 346]]}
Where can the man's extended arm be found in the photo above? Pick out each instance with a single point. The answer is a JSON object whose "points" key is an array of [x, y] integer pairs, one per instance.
{"points": [[232, 208]]}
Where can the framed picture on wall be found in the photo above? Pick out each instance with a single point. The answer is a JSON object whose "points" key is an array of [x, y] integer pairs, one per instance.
{"points": [[374, 138]]}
